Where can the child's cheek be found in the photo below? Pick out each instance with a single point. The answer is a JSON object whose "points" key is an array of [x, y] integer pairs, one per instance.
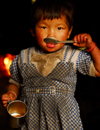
{"points": [[39, 38]]}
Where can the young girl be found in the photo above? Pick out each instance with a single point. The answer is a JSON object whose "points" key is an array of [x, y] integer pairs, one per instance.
{"points": [[47, 74]]}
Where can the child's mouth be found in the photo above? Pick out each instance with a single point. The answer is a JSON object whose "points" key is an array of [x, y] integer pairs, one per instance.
{"points": [[51, 45]]}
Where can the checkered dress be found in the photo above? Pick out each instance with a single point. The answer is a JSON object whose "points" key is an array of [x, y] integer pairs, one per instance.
{"points": [[50, 99]]}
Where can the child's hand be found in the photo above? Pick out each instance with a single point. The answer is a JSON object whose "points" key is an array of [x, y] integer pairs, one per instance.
{"points": [[84, 40], [6, 97]]}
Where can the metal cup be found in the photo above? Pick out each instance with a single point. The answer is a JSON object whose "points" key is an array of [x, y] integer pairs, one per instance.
{"points": [[17, 111]]}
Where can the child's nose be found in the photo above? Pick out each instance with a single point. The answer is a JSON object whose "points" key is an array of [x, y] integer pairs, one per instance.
{"points": [[51, 33]]}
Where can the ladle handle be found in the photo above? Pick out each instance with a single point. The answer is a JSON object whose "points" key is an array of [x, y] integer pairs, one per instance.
{"points": [[68, 41]]}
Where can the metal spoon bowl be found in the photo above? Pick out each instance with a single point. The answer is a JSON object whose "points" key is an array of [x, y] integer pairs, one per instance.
{"points": [[55, 41]]}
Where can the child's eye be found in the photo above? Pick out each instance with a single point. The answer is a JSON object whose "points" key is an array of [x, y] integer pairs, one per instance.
{"points": [[44, 27], [59, 28]]}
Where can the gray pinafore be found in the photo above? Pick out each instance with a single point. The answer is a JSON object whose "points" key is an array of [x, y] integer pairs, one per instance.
{"points": [[50, 99]]}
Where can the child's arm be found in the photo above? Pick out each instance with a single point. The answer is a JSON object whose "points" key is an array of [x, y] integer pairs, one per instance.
{"points": [[11, 94], [85, 40]]}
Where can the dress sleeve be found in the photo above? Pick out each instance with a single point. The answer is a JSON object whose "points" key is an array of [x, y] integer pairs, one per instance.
{"points": [[15, 73], [85, 64]]}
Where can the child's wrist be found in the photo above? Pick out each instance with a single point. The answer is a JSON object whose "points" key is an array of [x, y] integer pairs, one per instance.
{"points": [[13, 93], [92, 48]]}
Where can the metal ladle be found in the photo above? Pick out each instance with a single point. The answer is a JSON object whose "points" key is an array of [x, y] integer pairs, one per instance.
{"points": [[55, 41]]}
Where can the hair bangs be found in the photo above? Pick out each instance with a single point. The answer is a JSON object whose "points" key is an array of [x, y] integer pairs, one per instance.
{"points": [[49, 9], [49, 15]]}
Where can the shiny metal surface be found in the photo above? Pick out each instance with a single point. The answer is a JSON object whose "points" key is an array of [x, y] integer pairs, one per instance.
{"points": [[17, 111], [55, 41]]}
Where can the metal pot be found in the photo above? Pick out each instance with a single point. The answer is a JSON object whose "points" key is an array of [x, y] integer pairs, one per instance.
{"points": [[17, 111]]}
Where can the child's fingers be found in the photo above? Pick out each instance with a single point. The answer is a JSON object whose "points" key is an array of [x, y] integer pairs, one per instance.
{"points": [[5, 98], [4, 102], [75, 38], [79, 38], [83, 38], [5, 105]]}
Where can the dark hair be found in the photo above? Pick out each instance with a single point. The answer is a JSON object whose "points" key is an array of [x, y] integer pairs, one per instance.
{"points": [[50, 9]]}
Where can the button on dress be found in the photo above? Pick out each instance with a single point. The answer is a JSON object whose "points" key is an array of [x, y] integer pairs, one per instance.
{"points": [[48, 83]]}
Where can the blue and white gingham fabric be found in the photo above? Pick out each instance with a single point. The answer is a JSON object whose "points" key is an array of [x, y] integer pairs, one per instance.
{"points": [[50, 99]]}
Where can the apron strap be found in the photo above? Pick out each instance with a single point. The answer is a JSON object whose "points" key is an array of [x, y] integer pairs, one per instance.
{"points": [[24, 56], [71, 55], [68, 54]]}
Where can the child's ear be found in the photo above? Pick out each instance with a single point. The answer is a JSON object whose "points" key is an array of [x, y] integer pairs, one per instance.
{"points": [[31, 31], [70, 31]]}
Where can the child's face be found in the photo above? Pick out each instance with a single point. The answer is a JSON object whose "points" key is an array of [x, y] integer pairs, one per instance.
{"points": [[56, 28]]}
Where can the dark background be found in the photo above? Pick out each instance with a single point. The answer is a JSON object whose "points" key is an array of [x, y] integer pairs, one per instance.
{"points": [[15, 35]]}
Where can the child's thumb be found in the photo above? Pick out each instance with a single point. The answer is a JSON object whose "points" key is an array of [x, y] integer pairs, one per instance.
{"points": [[11, 96]]}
